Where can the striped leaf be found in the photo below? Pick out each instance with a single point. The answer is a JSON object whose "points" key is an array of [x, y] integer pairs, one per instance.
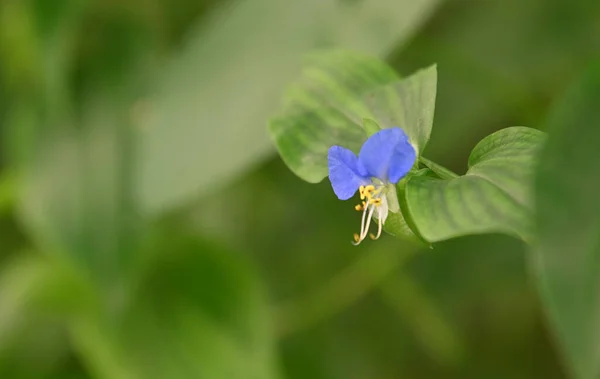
{"points": [[492, 197], [214, 96], [338, 91]]}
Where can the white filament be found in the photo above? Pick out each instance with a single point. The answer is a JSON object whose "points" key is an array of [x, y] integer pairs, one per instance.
{"points": [[367, 216]]}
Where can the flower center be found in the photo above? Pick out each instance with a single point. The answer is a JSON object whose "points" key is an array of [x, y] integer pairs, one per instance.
{"points": [[373, 200]]}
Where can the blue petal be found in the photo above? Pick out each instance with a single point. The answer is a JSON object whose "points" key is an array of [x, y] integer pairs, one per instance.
{"points": [[402, 161], [387, 155], [343, 172]]}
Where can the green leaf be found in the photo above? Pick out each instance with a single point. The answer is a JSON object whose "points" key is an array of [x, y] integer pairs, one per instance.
{"points": [[370, 126], [493, 196], [199, 312], [206, 121], [397, 226], [332, 109], [439, 170], [400, 224], [336, 78], [322, 109], [409, 104], [567, 254]]}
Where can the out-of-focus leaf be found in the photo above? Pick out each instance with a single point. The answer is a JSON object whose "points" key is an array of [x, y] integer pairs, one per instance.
{"points": [[567, 253], [199, 313], [19, 282], [17, 47], [493, 196], [37, 296], [7, 191], [206, 122], [343, 90], [36, 43], [494, 76], [76, 195]]}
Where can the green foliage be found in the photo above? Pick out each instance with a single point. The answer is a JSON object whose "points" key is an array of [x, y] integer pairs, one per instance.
{"points": [[38, 295], [332, 107], [493, 196], [7, 192], [566, 256], [67, 172], [195, 312], [104, 126], [213, 91], [321, 109], [114, 113], [330, 103]]}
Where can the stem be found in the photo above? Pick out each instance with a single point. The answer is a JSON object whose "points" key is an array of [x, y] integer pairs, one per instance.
{"points": [[441, 171], [344, 289], [424, 318]]}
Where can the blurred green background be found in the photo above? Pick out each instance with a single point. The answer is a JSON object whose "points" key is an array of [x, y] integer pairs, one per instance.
{"points": [[149, 230]]}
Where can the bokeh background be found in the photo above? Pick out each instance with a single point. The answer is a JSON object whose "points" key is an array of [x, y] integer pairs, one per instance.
{"points": [[148, 228]]}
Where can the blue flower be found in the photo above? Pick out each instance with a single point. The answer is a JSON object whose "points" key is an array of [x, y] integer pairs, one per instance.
{"points": [[385, 158]]}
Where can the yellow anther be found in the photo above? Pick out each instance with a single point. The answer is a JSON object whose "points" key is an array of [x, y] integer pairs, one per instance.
{"points": [[359, 207], [361, 190], [368, 191], [373, 236], [376, 201], [356, 237]]}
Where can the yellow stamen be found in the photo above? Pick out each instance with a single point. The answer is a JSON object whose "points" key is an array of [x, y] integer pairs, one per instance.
{"points": [[376, 201], [370, 205], [368, 192]]}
